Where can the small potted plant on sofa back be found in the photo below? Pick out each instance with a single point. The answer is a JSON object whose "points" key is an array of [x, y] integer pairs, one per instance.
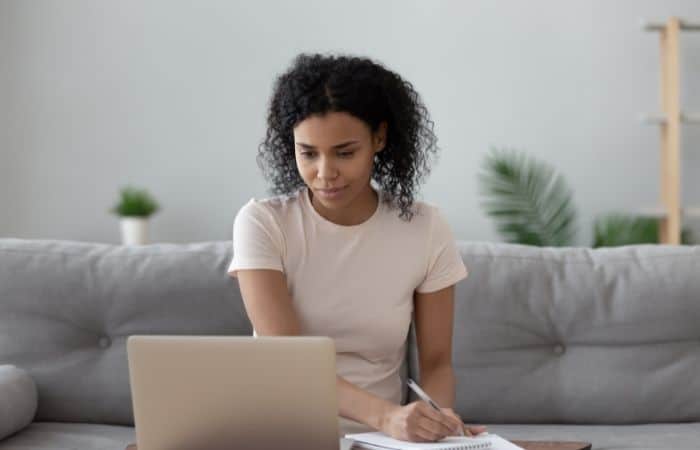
{"points": [[134, 208]]}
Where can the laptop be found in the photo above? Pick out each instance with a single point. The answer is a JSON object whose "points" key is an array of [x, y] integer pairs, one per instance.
{"points": [[234, 392]]}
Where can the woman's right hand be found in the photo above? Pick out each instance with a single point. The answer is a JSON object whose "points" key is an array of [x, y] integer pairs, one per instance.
{"points": [[418, 422]]}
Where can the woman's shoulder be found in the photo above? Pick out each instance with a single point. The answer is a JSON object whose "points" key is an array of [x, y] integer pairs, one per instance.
{"points": [[423, 217], [272, 209]]}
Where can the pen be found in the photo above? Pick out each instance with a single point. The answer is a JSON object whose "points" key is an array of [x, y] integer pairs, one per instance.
{"points": [[426, 398]]}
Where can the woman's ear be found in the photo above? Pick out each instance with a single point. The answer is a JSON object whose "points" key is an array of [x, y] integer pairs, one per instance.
{"points": [[380, 137]]}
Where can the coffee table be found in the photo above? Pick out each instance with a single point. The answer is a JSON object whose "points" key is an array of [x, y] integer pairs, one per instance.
{"points": [[553, 445], [527, 445]]}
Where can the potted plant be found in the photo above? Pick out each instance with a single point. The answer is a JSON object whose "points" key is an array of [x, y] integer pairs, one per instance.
{"points": [[532, 205], [134, 208], [615, 229], [529, 201]]}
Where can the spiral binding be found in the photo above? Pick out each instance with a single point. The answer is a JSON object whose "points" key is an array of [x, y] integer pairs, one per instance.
{"points": [[471, 446]]}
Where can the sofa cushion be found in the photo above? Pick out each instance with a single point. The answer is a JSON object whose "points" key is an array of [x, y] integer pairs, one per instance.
{"points": [[578, 335], [18, 400], [681, 436], [67, 308], [65, 436]]}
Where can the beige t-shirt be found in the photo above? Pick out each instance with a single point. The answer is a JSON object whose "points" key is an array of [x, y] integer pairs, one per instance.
{"points": [[355, 283]]}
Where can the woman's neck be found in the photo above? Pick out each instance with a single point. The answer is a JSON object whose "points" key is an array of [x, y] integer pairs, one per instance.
{"points": [[358, 211]]}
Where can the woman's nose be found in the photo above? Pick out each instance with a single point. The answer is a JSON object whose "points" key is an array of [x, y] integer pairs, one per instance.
{"points": [[326, 170]]}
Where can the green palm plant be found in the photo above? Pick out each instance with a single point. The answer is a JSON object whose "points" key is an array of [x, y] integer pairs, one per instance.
{"points": [[532, 205], [619, 229], [529, 201]]}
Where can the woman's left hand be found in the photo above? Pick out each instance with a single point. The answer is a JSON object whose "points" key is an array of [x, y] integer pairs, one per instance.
{"points": [[469, 430]]}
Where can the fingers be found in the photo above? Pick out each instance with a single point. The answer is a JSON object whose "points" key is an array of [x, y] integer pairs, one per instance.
{"points": [[422, 435], [433, 425], [458, 424], [471, 430], [475, 429], [445, 417], [430, 425], [431, 429]]}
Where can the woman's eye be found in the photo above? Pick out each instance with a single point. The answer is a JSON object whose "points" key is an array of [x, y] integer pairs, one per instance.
{"points": [[309, 155]]}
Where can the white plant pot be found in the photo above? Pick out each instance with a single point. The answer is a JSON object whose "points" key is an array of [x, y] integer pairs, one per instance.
{"points": [[134, 230]]}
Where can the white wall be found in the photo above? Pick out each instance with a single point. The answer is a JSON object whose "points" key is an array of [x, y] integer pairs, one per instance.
{"points": [[171, 96]]}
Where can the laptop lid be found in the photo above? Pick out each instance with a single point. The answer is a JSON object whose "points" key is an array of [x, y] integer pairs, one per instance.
{"points": [[226, 392]]}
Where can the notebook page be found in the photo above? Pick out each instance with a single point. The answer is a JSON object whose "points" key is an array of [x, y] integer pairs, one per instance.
{"points": [[487, 441]]}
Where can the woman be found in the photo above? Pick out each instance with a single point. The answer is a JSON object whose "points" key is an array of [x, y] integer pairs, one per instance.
{"points": [[331, 254]]}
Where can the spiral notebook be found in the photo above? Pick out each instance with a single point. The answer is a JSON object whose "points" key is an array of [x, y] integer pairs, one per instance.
{"points": [[381, 441]]}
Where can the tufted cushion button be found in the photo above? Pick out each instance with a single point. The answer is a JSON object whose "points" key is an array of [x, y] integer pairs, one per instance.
{"points": [[105, 342], [559, 349]]}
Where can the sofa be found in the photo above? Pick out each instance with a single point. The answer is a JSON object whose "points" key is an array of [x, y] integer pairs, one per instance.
{"points": [[597, 345]]}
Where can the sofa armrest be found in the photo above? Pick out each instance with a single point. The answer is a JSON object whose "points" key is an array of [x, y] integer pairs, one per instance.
{"points": [[18, 400]]}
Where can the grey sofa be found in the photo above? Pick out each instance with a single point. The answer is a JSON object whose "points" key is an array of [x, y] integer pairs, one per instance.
{"points": [[567, 344]]}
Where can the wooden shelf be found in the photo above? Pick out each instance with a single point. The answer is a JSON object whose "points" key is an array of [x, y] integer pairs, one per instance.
{"points": [[670, 211], [659, 212], [660, 119], [650, 25]]}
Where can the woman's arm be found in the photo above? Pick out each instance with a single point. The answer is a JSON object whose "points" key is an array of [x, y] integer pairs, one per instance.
{"points": [[434, 314], [269, 307]]}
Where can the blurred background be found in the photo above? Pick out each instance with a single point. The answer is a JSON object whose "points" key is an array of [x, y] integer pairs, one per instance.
{"points": [[171, 96]]}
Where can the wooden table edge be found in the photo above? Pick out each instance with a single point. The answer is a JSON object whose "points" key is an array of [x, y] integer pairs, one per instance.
{"points": [[527, 445], [553, 445]]}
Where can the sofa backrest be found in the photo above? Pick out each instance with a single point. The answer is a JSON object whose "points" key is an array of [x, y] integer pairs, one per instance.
{"points": [[541, 335], [66, 309], [576, 335]]}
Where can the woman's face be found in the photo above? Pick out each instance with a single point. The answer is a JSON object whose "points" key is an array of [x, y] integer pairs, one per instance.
{"points": [[334, 154]]}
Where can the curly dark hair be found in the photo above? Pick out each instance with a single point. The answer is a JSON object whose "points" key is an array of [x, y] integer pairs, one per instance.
{"points": [[317, 84]]}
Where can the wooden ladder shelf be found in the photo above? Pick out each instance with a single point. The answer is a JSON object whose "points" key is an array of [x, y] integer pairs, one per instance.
{"points": [[671, 212]]}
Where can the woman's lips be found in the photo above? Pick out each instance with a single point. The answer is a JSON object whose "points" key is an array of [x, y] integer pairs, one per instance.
{"points": [[331, 193]]}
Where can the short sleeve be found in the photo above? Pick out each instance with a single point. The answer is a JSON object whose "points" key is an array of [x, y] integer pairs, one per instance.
{"points": [[445, 265], [258, 241]]}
